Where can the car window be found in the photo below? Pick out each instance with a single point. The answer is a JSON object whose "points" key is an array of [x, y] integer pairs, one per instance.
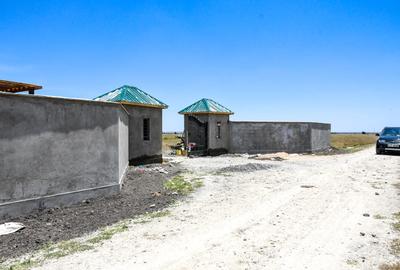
{"points": [[391, 132]]}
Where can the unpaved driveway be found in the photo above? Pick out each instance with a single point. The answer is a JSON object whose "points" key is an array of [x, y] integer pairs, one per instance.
{"points": [[262, 218]]}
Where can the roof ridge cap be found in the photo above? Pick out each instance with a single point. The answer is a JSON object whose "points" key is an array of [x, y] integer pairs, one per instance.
{"points": [[205, 102]]}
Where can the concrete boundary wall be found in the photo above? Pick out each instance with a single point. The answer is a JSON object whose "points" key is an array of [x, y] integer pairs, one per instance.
{"points": [[57, 151], [320, 136], [269, 137]]}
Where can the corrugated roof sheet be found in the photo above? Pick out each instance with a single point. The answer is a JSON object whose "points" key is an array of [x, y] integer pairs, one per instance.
{"points": [[206, 105], [14, 87], [131, 95]]}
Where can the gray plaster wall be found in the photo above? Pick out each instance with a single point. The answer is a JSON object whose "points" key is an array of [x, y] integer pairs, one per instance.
{"points": [[123, 143], [55, 151], [320, 136], [269, 137], [213, 141], [141, 151]]}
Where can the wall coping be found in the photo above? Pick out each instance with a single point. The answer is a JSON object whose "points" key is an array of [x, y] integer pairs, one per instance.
{"points": [[80, 100], [278, 122]]}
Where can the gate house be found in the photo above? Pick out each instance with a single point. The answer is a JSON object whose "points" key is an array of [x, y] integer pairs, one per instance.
{"points": [[208, 130], [207, 127]]}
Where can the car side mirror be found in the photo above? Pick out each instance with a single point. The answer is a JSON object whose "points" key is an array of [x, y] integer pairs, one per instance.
{"points": [[377, 134]]}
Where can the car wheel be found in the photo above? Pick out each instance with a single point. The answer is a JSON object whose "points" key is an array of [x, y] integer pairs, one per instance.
{"points": [[379, 151]]}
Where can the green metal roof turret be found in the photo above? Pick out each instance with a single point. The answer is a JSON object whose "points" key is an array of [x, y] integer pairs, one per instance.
{"points": [[206, 106], [131, 95]]}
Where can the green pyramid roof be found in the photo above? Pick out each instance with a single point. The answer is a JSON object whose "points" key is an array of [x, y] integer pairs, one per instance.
{"points": [[207, 106], [131, 95]]}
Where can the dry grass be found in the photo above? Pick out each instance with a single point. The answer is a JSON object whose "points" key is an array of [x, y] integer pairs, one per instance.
{"points": [[395, 247], [378, 216], [169, 140], [24, 265], [65, 248], [395, 266], [108, 233], [341, 141], [352, 262], [158, 214]]}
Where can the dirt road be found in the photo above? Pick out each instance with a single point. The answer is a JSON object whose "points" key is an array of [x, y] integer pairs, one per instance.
{"points": [[307, 212]]}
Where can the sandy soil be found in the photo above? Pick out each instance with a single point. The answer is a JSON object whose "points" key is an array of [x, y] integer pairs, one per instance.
{"points": [[306, 212]]}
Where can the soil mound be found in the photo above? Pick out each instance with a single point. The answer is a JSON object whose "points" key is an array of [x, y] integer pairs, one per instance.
{"points": [[249, 167]]}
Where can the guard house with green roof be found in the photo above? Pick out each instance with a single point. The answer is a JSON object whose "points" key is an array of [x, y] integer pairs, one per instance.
{"points": [[207, 127], [145, 122]]}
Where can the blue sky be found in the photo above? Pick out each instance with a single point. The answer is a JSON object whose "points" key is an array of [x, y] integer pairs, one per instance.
{"points": [[328, 61]]}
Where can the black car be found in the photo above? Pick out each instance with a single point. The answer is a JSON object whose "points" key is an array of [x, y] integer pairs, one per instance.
{"points": [[389, 140]]}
